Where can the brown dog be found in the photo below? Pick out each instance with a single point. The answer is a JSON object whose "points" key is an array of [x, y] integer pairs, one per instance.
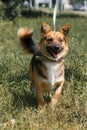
{"points": [[47, 64]]}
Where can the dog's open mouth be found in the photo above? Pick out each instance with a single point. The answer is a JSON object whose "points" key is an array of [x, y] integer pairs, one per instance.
{"points": [[54, 51]]}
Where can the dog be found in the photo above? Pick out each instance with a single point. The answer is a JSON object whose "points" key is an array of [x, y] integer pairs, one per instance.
{"points": [[47, 65]]}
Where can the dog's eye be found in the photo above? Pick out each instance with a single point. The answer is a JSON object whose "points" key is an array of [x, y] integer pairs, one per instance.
{"points": [[60, 39], [49, 40]]}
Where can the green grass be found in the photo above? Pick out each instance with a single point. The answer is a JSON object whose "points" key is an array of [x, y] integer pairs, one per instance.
{"points": [[18, 103]]}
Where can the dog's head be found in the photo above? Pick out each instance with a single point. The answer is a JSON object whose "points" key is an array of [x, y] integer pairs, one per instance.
{"points": [[54, 44]]}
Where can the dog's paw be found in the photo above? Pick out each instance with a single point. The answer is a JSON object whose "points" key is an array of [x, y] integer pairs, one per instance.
{"points": [[24, 32]]}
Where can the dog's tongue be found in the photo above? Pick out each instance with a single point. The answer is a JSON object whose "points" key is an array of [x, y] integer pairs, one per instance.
{"points": [[55, 55]]}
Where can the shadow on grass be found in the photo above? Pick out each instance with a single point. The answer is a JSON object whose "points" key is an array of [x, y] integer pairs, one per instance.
{"points": [[20, 89], [38, 13], [75, 74], [24, 100], [28, 99]]}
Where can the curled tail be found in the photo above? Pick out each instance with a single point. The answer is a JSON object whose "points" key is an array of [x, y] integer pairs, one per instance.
{"points": [[26, 41]]}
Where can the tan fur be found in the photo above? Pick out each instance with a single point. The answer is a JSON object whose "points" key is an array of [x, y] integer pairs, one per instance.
{"points": [[23, 32], [47, 71]]}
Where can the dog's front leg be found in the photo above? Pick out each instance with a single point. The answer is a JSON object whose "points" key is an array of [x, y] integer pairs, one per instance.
{"points": [[55, 97], [39, 94]]}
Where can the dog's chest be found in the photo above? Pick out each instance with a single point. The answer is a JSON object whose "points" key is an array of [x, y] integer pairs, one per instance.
{"points": [[54, 72]]}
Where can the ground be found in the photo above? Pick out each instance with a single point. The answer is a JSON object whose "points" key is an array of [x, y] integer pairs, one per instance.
{"points": [[18, 105]]}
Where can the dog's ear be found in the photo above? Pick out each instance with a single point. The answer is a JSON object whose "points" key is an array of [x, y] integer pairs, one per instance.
{"points": [[45, 28], [65, 29]]}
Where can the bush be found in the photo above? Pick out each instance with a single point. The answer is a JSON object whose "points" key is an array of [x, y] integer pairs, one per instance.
{"points": [[10, 9]]}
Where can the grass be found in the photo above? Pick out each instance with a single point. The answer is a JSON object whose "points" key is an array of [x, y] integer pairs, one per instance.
{"points": [[17, 103]]}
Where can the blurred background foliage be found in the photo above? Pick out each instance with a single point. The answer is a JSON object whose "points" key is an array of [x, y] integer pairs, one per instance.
{"points": [[9, 9]]}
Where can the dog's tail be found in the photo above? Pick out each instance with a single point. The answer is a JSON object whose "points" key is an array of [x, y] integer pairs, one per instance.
{"points": [[26, 41]]}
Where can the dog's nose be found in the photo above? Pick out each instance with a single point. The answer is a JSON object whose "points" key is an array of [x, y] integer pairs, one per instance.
{"points": [[56, 48]]}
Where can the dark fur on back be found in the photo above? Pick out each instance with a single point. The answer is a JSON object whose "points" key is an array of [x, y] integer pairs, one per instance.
{"points": [[37, 64], [29, 45]]}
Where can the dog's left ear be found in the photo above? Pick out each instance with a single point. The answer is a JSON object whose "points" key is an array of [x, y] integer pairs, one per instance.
{"points": [[65, 29], [45, 28]]}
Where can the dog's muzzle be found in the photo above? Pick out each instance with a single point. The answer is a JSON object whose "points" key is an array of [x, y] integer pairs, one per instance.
{"points": [[54, 50]]}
